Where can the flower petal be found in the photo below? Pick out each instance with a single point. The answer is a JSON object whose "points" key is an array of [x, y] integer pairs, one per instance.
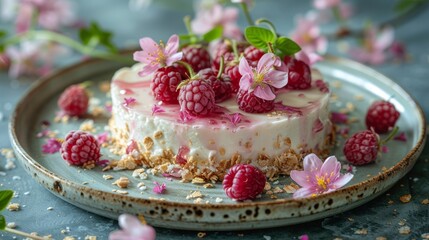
{"points": [[385, 38], [174, 58], [264, 92], [245, 82], [244, 67], [266, 62], [312, 163], [301, 178], [304, 192], [172, 45], [331, 167], [148, 69], [341, 181], [277, 79], [148, 44]]}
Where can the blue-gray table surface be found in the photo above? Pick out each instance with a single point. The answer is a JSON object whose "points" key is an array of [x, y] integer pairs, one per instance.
{"points": [[382, 216]]}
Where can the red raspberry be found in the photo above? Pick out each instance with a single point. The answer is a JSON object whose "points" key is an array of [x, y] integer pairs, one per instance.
{"points": [[80, 148], [248, 102], [197, 57], [362, 148], [235, 76], [243, 182], [222, 86], [381, 116], [225, 50], [74, 101], [253, 54], [164, 84], [299, 74], [197, 98]]}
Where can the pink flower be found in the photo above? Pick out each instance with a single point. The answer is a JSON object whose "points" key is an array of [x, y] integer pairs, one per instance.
{"points": [[339, 118], [103, 137], [304, 237], [51, 146], [234, 118], [157, 109], [325, 4], [156, 55], [51, 14], [308, 35], [318, 178], [261, 79], [374, 45], [132, 229], [308, 58], [401, 137], [159, 188], [129, 101], [209, 17], [398, 50]]}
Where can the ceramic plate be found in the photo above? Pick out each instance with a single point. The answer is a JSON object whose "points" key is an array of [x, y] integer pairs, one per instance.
{"points": [[354, 86]]}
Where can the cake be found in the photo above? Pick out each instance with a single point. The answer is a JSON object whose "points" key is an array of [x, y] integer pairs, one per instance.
{"points": [[152, 134]]}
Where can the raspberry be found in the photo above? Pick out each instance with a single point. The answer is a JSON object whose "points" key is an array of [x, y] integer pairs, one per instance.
{"points": [[197, 98], [74, 101], [381, 116], [253, 54], [80, 148], [235, 76], [197, 57], [225, 49], [362, 148], [299, 74], [248, 102], [164, 84], [243, 182], [222, 86]]}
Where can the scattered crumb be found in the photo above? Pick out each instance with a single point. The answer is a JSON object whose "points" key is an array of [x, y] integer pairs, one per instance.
{"points": [[85, 183], [267, 237], [16, 178], [13, 207], [425, 235], [277, 190], [405, 198], [88, 237], [87, 126], [384, 169], [122, 182], [208, 185], [362, 231], [267, 186], [381, 238], [107, 177], [11, 225], [219, 200], [390, 202], [69, 238], [404, 230], [140, 173], [350, 219], [198, 180], [198, 200], [26, 193], [195, 194], [120, 191], [141, 186], [402, 222], [65, 231], [291, 188], [50, 208], [201, 234], [425, 201]]}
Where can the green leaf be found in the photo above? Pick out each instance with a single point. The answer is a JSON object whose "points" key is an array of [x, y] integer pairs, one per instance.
{"points": [[2, 222], [94, 35], [404, 5], [259, 37], [213, 34], [286, 46], [3, 34], [5, 197]]}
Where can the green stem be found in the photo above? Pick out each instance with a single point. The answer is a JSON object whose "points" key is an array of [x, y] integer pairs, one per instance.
{"points": [[24, 234], [247, 14], [62, 39], [270, 47], [221, 68], [187, 21], [390, 136], [269, 24], [235, 49], [188, 67]]}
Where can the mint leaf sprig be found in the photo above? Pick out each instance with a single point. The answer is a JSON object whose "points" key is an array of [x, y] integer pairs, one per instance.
{"points": [[268, 40]]}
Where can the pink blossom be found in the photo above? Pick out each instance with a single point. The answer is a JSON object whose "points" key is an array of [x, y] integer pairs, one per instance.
{"points": [[339, 118], [157, 109], [129, 101], [51, 146], [384, 149], [33, 57], [234, 118], [132, 229], [325, 4], [308, 58], [374, 45], [304, 237], [185, 117], [401, 137], [319, 177], [156, 55], [263, 77], [159, 188], [215, 15], [103, 137], [51, 14], [398, 50], [308, 35]]}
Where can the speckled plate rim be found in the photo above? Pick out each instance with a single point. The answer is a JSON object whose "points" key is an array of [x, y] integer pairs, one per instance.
{"points": [[60, 184]]}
